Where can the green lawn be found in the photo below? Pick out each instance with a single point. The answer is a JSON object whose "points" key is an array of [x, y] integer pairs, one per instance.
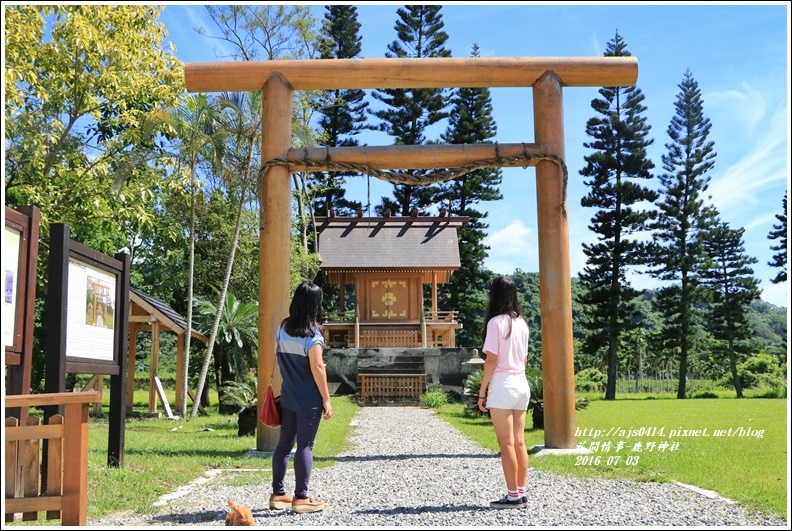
{"points": [[680, 442], [162, 455]]}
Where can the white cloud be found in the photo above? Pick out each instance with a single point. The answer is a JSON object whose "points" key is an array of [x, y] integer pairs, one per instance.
{"points": [[747, 107], [763, 165], [511, 248], [777, 294], [764, 222]]}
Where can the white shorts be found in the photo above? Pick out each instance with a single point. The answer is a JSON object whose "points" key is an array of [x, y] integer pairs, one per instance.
{"points": [[508, 391]]}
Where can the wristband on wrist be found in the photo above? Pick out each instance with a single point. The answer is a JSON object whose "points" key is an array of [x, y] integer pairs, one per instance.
{"points": [[482, 397]]}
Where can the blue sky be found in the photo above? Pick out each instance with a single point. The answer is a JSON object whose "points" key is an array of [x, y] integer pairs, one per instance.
{"points": [[738, 54]]}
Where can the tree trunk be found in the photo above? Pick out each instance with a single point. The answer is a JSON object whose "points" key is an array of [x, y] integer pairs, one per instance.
{"points": [[248, 420], [733, 364], [223, 375], [205, 397], [685, 331], [639, 376], [537, 418], [223, 291], [191, 271]]}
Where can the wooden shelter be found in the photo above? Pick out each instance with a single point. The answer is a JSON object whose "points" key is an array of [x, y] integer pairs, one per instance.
{"points": [[387, 261], [149, 313]]}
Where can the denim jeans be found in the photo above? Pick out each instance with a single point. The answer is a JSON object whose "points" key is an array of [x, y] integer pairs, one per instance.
{"points": [[299, 428]]}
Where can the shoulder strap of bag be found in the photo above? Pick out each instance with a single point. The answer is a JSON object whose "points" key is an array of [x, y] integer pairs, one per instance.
{"points": [[275, 358]]}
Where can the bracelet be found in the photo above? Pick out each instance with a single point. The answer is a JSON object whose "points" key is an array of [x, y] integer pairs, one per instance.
{"points": [[482, 397]]}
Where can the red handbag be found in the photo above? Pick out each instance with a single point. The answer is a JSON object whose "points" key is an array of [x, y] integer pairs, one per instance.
{"points": [[269, 414]]}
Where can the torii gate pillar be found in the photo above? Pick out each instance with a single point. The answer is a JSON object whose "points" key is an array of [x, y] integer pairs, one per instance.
{"points": [[274, 248], [555, 281]]}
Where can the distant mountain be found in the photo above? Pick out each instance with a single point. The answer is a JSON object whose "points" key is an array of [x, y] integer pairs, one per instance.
{"points": [[768, 321]]}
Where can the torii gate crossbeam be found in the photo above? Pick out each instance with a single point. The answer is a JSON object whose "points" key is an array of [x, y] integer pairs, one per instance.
{"points": [[547, 77]]}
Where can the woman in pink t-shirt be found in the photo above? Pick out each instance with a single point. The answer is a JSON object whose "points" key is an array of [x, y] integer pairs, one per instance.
{"points": [[504, 388]]}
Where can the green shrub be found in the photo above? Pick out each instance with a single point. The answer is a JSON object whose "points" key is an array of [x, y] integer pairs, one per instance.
{"points": [[694, 388], [590, 379], [769, 388], [434, 396], [760, 369], [471, 392]]}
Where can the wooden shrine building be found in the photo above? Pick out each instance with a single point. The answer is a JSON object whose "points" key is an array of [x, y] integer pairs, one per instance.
{"points": [[387, 261]]}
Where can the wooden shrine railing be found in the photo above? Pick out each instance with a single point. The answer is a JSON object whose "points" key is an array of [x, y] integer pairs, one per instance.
{"points": [[389, 338], [440, 315], [66, 493], [434, 330], [391, 386]]}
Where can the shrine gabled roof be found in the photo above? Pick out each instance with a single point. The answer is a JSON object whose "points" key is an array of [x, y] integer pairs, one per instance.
{"points": [[418, 243]]}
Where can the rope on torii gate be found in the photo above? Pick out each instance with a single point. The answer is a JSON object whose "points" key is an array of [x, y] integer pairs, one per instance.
{"points": [[419, 180]]}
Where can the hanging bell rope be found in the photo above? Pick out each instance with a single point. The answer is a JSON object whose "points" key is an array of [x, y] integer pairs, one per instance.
{"points": [[420, 180]]}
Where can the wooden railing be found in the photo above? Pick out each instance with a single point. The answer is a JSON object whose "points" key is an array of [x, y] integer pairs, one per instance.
{"points": [[393, 386], [441, 315], [347, 316], [389, 338], [66, 493]]}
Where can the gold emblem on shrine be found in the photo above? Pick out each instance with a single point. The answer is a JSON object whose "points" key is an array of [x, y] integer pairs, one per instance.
{"points": [[388, 298]]}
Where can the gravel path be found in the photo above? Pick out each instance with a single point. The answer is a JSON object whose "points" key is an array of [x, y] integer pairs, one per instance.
{"points": [[434, 476]]}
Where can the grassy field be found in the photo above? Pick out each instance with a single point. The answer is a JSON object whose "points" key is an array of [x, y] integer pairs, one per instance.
{"points": [[749, 466], [162, 455], [737, 448]]}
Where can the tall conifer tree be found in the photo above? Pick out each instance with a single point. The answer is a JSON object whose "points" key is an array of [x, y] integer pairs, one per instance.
{"points": [[409, 112], [779, 233], [615, 171], [733, 286], [471, 122], [343, 111], [682, 222], [343, 117]]}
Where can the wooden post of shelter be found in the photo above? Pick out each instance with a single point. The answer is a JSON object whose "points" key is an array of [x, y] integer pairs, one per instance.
{"points": [[180, 398], [154, 366], [546, 75], [131, 367]]}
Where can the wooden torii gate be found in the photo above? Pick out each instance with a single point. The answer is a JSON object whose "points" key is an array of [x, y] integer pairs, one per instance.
{"points": [[547, 76]]}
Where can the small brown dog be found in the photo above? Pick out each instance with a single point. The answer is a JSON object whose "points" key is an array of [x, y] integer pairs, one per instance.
{"points": [[239, 515]]}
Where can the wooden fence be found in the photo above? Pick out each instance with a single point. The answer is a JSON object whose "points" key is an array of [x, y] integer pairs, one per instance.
{"points": [[66, 494], [391, 386]]}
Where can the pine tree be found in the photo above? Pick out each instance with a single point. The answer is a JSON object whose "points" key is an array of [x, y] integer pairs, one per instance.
{"points": [[682, 221], [342, 111], [615, 169], [471, 122], [409, 112], [729, 276], [779, 232]]}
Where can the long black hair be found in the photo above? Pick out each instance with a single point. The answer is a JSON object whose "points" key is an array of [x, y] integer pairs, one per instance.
{"points": [[502, 300], [305, 311]]}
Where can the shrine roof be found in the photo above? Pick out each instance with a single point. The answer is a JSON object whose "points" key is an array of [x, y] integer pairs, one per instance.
{"points": [[145, 304], [400, 243]]}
